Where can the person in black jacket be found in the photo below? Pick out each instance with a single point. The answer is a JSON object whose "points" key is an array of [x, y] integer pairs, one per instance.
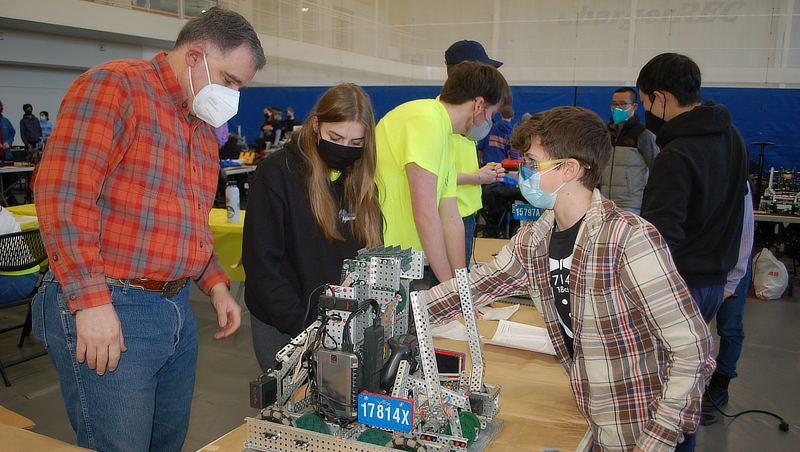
{"points": [[29, 128], [695, 193], [311, 205], [287, 125], [696, 190], [230, 150]]}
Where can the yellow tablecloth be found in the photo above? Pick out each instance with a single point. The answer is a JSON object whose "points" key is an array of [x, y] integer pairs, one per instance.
{"points": [[227, 242], [227, 236], [25, 210]]}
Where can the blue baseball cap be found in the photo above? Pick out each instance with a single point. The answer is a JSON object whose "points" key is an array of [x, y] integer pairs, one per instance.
{"points": [[468, 51]]}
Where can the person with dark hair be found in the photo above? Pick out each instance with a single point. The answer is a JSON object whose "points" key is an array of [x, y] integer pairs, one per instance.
{"points": [[470, 176], [495, 148], [632, 156], [289, 122], [498, 199], [311, 205], [620, 317], [29, 129], [696, 189], [269, 129], [416, 167], [230, 150], [125, 187], [44, 122], [7, 134]]}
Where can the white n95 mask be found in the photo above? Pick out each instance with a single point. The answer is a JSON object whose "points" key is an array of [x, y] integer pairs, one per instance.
{"points": [[214, 104]]}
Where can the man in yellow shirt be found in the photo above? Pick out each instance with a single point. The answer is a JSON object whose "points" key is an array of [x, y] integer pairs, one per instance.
{"points": [[469, 174], [416, 170]]}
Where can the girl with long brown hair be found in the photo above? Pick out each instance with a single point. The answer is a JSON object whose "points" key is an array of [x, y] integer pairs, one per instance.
{"points": [[311, 205]]}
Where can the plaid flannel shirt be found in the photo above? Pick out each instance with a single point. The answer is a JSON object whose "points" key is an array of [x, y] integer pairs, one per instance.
{"points": [[642, 350], [126, 183]]}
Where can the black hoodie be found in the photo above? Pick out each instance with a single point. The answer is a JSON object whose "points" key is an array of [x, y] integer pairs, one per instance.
{"points": [[285, 253], [695, 194]]}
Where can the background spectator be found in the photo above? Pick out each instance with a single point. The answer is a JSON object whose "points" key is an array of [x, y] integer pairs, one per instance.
{"points": [[289, 122], [7, 134], [221, 134], [230, 149], [494, 147], [633, 153], [45, 124], [29, 129]]}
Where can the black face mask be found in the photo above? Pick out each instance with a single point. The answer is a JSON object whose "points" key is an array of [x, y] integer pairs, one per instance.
{"points": [[337, 156], [653, 122], [28, 112]]}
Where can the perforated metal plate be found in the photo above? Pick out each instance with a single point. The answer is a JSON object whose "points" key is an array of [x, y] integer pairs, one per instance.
{"points": [[470, 321], [417, 266]]}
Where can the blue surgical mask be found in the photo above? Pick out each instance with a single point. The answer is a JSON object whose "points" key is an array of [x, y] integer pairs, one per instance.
{"points": [[42, 119], [529, 187], [619, 115]]}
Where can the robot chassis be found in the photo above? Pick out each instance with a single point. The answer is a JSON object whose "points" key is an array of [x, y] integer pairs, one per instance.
{"points": [[782, 195], [427, 412]]}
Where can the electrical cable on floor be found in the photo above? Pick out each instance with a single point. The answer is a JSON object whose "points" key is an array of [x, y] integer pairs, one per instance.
{"points": [[783, 426]]}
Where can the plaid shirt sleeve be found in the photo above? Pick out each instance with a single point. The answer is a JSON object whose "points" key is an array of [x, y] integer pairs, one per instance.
{"points": [[661, 295], [94, 125], [126, 183], [505, 276]]}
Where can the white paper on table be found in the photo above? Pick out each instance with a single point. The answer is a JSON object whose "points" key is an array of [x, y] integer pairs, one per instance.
{"points": [[498, 313], [25, 219], [454, 330], [523, 337]]}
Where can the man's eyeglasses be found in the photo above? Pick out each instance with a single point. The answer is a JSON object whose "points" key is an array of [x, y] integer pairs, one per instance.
{"points": [[622, 105], [544, 164]]}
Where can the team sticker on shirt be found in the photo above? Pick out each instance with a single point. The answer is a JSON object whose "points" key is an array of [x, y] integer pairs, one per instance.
{"points": [[345, 216], [559, 273]]}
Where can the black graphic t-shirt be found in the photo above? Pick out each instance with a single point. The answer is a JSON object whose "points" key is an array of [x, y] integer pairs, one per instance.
{"points": [[562, 244]]}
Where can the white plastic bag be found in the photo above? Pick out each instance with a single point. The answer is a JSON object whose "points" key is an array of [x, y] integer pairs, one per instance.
{"points": [[770, 276]]}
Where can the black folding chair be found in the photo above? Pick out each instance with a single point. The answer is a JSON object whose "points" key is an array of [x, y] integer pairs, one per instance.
{"points": [[21, 251]]}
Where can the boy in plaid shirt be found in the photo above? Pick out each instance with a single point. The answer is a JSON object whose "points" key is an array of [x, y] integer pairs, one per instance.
{"points": [[620, 317]]}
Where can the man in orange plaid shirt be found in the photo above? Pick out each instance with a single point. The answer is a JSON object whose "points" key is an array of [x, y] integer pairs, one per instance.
{"points": [[123, 196]]}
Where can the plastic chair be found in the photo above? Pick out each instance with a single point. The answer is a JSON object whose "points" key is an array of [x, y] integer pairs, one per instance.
{"points": [[21, 251]]}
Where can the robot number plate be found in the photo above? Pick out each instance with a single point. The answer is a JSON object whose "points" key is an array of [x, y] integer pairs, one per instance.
{"points": [[385, 412]]}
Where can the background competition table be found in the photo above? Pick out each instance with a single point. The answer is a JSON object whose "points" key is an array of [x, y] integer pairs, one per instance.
{"points": [[776, 218], [227, 242], [245, 169], [25, 210], [8, 170]]}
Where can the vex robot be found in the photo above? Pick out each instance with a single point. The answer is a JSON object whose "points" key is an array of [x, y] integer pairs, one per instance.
{"points": [[366, 377], [782, 194]]}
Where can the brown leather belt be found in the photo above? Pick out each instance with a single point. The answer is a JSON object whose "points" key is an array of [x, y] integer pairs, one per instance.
{"points": [[168, 289]]}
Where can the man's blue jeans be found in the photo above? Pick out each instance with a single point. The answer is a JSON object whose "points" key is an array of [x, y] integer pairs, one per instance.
{"points": [[469, 236], [708, 299], [730, 327], [16, 287], [144, 404]]}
